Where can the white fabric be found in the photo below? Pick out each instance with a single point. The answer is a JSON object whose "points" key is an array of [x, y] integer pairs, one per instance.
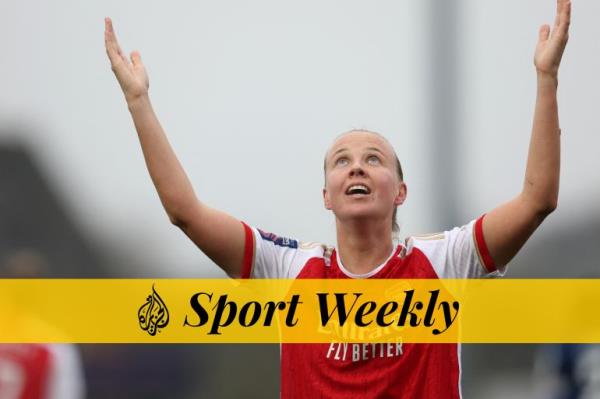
{"points": [[65, 379], [277, 261], [453, 253]]}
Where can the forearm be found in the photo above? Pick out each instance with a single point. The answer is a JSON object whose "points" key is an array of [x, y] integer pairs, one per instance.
{"points": [[543, 164], [170, 180], [507, 227]]}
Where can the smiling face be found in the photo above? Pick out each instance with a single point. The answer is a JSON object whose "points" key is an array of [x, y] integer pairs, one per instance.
{"points": [[362, 179]]}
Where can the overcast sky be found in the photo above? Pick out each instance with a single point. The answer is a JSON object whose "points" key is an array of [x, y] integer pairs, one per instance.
{"points": [[252, 93]]}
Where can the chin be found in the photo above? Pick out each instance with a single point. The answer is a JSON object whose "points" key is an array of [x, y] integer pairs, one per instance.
{"points": [[358, 214]]}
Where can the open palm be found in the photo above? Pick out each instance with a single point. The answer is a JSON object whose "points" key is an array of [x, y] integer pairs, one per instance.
{"points": [[132, 75], [551, 45]]}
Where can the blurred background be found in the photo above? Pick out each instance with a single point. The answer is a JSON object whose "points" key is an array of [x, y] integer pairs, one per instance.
{"points": [[251, 94]]}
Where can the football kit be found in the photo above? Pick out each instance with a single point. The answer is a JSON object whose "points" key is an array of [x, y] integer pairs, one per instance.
{"points": [[40, 371], [380, 370]]}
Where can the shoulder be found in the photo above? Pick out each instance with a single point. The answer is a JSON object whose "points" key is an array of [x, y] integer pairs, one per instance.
{"points": [[460, 252], [308, 247], [269, 255], [276, 240], [442, 238]]}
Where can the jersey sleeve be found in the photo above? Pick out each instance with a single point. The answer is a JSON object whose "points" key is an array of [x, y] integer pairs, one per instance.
{"points": [[267, 255], [459, 253], [66, 380]]}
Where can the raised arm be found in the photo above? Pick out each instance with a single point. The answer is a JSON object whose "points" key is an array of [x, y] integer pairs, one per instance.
{"points": [[218, 235], [507, 228]]}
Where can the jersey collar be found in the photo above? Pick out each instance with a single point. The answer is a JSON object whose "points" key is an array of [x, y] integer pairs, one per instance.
{"points": [[395, 252]]}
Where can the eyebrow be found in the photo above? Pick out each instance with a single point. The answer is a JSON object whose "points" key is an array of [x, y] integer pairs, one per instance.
{"points": [[376, 150], [338, 151], [368, 148]]}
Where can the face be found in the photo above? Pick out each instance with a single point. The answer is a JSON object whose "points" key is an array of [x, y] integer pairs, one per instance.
{"points": [[361, 179]]}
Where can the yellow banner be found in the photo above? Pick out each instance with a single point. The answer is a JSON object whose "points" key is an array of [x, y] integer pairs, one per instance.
{"points": [[273, 311]]}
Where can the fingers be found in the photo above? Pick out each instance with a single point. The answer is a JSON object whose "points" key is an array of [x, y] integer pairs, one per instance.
{"points": [[552, 41], [108, 26], [115, 54], [561, 6], [110, 42], [110, 39], [544, 33], [560, 31], [136, 59], [566, 21], [563, 17]]}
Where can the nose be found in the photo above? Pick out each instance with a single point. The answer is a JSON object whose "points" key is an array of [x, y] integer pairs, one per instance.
{"points": [[357, 170]]}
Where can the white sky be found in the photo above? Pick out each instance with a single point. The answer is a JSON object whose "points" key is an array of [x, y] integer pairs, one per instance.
{"points": [[252, 93]]}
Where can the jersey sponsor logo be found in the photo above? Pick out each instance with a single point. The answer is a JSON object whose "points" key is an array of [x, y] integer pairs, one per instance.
{"points": [[359, 352], [281, 241]]}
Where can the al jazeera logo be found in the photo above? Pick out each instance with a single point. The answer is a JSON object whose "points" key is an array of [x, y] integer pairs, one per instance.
{"points": [[153, 314]]}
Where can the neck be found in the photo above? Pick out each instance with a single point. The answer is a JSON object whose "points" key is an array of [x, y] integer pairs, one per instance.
{"points": [[363, 245]]}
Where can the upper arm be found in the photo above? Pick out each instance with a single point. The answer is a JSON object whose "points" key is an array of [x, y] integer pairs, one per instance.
{"points": [[242, 251], [220, 236], [509, 226]]}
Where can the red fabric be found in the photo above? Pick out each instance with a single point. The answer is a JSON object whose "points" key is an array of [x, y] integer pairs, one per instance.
{"points": [[347, 371], [248, 251], [29, 366], [486, 258]]}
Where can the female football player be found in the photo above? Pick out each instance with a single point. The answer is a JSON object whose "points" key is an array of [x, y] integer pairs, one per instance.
{"points": [[364, 185]]}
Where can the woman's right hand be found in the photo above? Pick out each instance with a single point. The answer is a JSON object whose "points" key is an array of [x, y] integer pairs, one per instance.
{"points": [[132, 75]]}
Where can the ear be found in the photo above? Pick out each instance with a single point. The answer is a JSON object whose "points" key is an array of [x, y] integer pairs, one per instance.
{"points": [[326, 199], [402, 192]]}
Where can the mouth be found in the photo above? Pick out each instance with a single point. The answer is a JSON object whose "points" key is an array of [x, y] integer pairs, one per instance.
{"points": [[358, 190]]}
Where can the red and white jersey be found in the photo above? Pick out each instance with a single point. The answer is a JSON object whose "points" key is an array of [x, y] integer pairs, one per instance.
{"points": [[341, 370], [39, 371]]}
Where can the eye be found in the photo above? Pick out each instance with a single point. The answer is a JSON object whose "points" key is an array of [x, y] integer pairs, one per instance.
{"points": [[373, 160], [342, 161]]}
